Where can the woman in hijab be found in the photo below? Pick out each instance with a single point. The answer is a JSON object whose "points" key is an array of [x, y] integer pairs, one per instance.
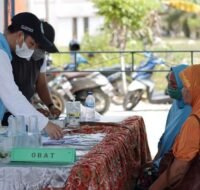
{"points": [[177, 115], [187, 143]]}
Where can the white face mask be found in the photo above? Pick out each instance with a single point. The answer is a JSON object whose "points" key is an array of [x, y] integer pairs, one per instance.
{"points": [[24, 51]]}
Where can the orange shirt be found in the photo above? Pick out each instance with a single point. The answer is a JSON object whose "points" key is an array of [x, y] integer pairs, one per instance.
{"points": [[187, 143]]}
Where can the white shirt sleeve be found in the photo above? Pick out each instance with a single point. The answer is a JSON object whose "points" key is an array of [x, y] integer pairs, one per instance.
{"points": [[11, 96], [43, 68]]}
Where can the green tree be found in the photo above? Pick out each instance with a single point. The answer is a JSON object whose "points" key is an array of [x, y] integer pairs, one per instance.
{"points": [[124, 17], [182, 17]]}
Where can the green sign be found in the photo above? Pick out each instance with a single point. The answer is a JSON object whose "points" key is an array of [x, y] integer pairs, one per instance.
{"points": [[53, 155]]}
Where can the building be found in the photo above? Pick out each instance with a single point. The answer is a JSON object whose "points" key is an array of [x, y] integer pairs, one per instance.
{"points": [[70, 18]]}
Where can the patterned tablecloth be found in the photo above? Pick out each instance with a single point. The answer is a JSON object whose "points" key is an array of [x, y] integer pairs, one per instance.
{"points": [[112, 164]]}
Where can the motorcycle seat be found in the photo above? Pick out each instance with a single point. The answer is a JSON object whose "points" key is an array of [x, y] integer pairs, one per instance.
{"points": [[72, 75]]}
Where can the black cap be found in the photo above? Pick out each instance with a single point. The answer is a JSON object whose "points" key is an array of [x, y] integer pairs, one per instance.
{"points": [[49, 33], [31, 25]]}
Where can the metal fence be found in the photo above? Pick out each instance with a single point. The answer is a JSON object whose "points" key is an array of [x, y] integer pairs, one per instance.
{"points": [[107, 59], [125, 62]]}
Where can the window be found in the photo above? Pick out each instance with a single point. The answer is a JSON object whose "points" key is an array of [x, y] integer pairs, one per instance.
{"points": [[86, 24], [74, 28]]}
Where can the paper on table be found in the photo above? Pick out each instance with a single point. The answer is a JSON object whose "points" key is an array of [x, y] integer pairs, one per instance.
{"points": [[48, 141], [80, 139]]}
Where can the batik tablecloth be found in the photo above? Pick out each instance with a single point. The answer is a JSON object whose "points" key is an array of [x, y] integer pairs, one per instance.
{"points": [[112, 164]]}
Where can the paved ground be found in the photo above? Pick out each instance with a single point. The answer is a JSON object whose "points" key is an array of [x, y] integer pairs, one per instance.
{"points": [[154, 116]]}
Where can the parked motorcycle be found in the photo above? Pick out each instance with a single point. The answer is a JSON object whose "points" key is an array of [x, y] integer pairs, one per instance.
{"points": [[61, 85], [82, 82], [114, 75], [142, 84], [75, 85]]}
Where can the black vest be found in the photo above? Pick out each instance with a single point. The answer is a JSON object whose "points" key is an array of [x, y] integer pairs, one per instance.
{"points": [[26, 74]]}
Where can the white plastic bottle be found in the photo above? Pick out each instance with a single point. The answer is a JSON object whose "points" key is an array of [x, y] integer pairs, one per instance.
{"points": [[90, 107]]}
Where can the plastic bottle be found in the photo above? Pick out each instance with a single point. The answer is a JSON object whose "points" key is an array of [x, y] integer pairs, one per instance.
{"points": [[90, 107], [73, 113]]}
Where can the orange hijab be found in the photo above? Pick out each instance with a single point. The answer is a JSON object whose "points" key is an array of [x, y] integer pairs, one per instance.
{"points": [[186, 145], [191, 80]]}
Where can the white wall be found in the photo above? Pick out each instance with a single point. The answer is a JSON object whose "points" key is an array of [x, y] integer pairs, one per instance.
{"points": [[95, 24], [63, 31]]}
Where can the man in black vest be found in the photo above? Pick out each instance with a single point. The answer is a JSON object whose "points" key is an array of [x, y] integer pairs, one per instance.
{"points": [[30, 75]]}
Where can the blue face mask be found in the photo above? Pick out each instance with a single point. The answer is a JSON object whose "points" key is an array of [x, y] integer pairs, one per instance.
{"points": [[174, 93]]}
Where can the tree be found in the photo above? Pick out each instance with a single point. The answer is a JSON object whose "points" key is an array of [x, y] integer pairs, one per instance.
{"points": [[124, 17], [183, 17], [184, 5]]}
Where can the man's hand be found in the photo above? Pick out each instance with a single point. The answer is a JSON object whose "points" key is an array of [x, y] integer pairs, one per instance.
{"points": [[44, 112], [54, 112], [54, 131]]}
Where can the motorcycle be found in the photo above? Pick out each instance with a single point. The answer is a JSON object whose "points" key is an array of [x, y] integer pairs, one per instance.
{"points": [[75, 85], [82, 82], [114, 75], [142, 84]]}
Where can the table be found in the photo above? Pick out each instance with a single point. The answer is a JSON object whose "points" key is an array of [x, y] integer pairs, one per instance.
{"points": [[113, 163]]}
